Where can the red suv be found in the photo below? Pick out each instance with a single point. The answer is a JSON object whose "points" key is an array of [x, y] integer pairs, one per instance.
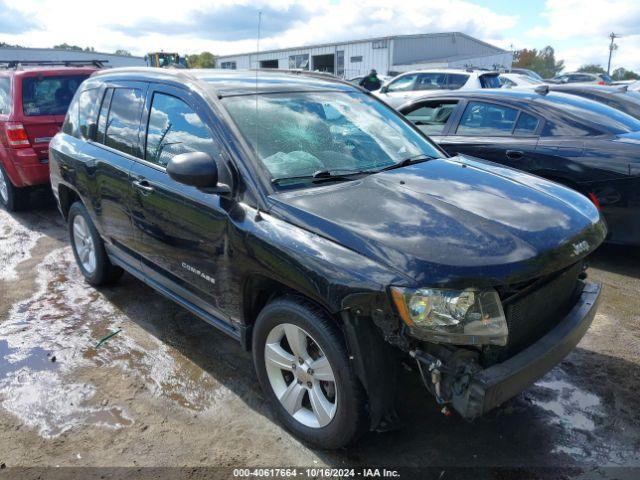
{"points": [[33, 104]]}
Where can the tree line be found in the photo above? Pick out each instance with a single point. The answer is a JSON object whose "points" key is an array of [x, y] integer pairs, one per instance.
{"points": [[544, 63], [198, 60]]}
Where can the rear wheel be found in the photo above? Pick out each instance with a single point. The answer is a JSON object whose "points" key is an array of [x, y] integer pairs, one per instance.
{"points": [[88, 248], [303, 368], [13, 198]]}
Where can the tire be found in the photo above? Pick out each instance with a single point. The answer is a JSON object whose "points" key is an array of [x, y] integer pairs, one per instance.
{"points": [[12, 197], [347, 419], [88, 248]]}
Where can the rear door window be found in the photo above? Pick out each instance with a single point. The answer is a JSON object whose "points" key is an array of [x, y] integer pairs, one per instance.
{"points": [[431, 81], [175, 128], [5, 95], [123, 123], [49, 95], [487, 119], [432, 117]]}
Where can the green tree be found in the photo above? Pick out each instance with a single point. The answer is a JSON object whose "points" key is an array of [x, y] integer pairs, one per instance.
{"points": [[592, 68], [74, 48], [543, 62], [624, 74], [125, 53], [202, 60]]}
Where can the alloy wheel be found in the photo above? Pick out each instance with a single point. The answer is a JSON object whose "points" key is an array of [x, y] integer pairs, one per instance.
{"points": [[83, 241], [300, 375]]}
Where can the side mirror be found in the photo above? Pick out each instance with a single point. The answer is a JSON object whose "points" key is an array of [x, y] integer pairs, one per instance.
{"points": [[197, 169], [384, 89]]}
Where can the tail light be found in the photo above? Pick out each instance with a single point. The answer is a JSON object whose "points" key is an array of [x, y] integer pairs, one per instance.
{"points": [[601, 82], [16, 135], [595, 200]]}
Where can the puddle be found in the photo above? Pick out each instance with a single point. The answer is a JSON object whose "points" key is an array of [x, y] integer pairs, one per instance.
{"points": [[64, 318], [16, 243], [42, 400], [571, 406]]}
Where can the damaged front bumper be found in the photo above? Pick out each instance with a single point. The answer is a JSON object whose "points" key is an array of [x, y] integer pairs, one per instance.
{"points": [[480, 390]]}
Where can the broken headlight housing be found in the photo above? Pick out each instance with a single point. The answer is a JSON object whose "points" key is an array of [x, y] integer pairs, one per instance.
{"points": [[462, 317]]}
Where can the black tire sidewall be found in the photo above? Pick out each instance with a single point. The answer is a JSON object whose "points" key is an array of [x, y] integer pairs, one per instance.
{"points": [[348, 422], [102, 273], [17, 197]]}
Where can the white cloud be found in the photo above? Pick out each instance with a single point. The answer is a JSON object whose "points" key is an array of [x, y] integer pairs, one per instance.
{"points": [[89, 23], [580, 31]]}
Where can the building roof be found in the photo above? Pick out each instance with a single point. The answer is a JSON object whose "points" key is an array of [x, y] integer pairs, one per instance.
{"points": [[364, 40]]}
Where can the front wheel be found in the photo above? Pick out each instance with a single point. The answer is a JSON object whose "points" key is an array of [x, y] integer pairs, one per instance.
{"points": [[303, 368], [88, 248]]}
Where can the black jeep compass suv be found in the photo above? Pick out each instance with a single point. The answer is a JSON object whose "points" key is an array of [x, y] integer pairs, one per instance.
{"points": [[318, 227]]}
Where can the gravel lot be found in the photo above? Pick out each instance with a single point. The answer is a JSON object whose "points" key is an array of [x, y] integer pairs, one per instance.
{"points": [[169, 390]]}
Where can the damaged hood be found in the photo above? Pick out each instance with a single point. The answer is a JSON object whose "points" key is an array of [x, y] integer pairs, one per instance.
{"points": [[452, 222]]}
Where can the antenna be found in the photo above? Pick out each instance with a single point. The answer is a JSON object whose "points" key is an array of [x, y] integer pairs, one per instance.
{"points": [[257, 70]]}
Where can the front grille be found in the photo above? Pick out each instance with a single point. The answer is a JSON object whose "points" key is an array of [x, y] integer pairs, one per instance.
{"points": [[536, 309]]}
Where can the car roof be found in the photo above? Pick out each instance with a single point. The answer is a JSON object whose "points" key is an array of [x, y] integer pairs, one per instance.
{"points": [[40, 70], [515, 96], [450, 70], [236, 82], [605, 89]]}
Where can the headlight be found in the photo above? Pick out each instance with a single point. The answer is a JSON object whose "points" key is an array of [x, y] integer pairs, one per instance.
{"points": [[463, 317]]}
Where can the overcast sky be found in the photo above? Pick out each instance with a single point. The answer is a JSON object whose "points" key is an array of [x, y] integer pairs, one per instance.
{"points": [[577, 29]]}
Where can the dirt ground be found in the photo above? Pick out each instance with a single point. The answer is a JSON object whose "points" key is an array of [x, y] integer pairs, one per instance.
{"points": [[169, 390]]}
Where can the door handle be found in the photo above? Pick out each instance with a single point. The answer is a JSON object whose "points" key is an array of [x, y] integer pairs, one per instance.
{"points": [[143, 185], [515, 154]]}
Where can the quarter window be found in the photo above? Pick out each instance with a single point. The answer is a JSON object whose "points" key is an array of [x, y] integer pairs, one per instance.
{"points": [[104, 113], [123, 122], [88, 103], [526, 124], [487, 119], [456, 80], [175, 128]]}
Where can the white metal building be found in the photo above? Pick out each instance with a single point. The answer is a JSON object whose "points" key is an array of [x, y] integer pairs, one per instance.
{"points": [[56, 55], [388, 55]]}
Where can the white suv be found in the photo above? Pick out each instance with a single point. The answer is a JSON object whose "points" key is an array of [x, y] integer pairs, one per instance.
{"points": [[409, 85]]}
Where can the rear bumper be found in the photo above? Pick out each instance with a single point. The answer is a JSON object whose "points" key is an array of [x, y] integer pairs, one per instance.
{"points": [[24, 168], [491, 387]]}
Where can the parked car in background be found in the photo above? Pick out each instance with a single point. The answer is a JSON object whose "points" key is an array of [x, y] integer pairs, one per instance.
{"points": [[509, 80], [582, 77], [417, 83], [322, 231], [620, 97], [583, 144], [33, 104], [527, 72]]}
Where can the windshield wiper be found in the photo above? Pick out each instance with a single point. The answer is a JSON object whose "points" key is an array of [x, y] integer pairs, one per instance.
{"points": [[324, 176], [423, 157]]}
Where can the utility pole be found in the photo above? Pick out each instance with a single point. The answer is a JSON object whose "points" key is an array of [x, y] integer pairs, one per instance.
{"points": [[612, 47]]}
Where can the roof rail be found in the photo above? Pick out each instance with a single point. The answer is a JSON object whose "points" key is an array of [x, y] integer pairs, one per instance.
{"points": [[66, 63], [306, 73]]}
